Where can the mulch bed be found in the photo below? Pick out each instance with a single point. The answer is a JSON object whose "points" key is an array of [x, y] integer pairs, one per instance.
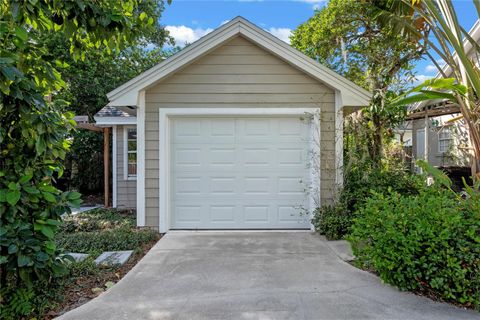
{"points": [[80, 291]]}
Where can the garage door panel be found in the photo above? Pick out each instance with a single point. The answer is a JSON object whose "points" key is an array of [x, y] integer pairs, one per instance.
{"points": [[238, 173]]}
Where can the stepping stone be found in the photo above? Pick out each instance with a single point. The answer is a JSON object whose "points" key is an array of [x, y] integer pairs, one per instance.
{"points": [[113, 258], [78, 257]]}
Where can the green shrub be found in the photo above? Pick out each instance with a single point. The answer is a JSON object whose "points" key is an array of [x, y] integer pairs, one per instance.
{"points": [[95, 242], [361, 180], [333, 221], [429, 242]]}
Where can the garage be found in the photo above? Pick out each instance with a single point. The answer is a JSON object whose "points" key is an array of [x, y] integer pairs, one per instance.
{"points": [[239, 172], [219, 140]]}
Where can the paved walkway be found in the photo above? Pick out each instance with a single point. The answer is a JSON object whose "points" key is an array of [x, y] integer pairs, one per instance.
{"points": [[264, 275]]}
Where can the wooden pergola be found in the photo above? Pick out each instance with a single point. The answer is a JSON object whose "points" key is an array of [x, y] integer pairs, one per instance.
{"points": [[83, 123], [434, 110]]}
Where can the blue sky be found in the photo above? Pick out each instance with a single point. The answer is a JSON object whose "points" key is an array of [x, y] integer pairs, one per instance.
{"points": [[189, 20]]}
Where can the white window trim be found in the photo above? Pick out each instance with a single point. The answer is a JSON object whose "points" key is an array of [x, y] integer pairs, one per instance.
{"points": [[125, 154], [166, 114], [448, 128]]}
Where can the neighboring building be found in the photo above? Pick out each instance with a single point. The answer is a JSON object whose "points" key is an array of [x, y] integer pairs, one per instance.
{"points": [[439, 134], [212, 137]]}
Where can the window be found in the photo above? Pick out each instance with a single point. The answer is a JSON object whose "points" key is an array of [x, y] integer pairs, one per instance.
{"points": [[445, 139], [130, 145]]}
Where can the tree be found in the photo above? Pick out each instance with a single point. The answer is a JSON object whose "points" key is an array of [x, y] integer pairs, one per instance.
{"points": [[436, 24], [345, 36], [33, 131], [89, 80]]}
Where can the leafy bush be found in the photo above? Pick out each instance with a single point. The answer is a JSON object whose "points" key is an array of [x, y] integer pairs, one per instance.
{"points": [[333, 221], [363, 179], [428, 243]]}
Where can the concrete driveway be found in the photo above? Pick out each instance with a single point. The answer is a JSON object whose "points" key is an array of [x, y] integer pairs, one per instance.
{"points": [[254, 275]]}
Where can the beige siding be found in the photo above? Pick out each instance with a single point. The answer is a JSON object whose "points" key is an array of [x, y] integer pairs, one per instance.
{"points": [[238, 74], [126, 189]]}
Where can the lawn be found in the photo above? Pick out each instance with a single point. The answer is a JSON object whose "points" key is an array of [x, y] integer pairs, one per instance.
{"points": [[94, 232]]}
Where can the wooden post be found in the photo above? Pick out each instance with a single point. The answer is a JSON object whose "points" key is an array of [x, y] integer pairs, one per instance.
{"points": [[106, 165]]}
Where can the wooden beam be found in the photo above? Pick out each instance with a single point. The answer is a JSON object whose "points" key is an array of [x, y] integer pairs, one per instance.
{"points": [[89, 126], [106, 165], [433, 112]]}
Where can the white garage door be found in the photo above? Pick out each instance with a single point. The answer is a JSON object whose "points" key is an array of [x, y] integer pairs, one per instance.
{"points": [[238, 173]]}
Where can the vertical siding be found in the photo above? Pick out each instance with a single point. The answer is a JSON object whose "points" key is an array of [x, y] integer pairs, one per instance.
{"points": [[238, 74], [126, 189]]}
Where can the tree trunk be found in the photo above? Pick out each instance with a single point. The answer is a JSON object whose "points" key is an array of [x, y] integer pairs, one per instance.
{"points": [[377, 135]]}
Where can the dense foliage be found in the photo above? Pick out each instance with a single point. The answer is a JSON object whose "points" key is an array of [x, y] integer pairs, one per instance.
{"points": [[88, 80], [346, 36], [89, 232], [33, 132], [428, 243]]}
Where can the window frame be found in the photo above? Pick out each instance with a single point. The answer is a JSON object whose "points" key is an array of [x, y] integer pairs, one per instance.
{"points": [[126, 152], [445, 129]]}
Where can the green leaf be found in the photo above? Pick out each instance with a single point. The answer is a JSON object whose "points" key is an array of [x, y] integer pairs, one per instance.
{"points": [[47, 231], [143, 15], [12, 249], [25, 178], [53, 222], [12, 186], [3, 259], [23, 261], [74, 195], [21, 33], [31, 190], [40, 146], [9, 72], [49, 197], [13, 197]]}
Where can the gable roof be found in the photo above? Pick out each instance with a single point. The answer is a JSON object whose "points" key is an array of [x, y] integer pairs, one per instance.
{"points": [[127, 94]]}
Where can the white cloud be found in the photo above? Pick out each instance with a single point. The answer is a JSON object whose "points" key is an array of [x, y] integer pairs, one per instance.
{"points": [[224, 21], [312, 1], [316, 4], [430, 68], [433, 68], [183, 34], [281, 33]]}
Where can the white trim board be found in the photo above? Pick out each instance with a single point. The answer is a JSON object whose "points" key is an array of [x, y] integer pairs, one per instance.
{"points": [[109, 121], [352, 94], [125, 153], [165, 115], [141, 160], [338, 140], [114, 166]]}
